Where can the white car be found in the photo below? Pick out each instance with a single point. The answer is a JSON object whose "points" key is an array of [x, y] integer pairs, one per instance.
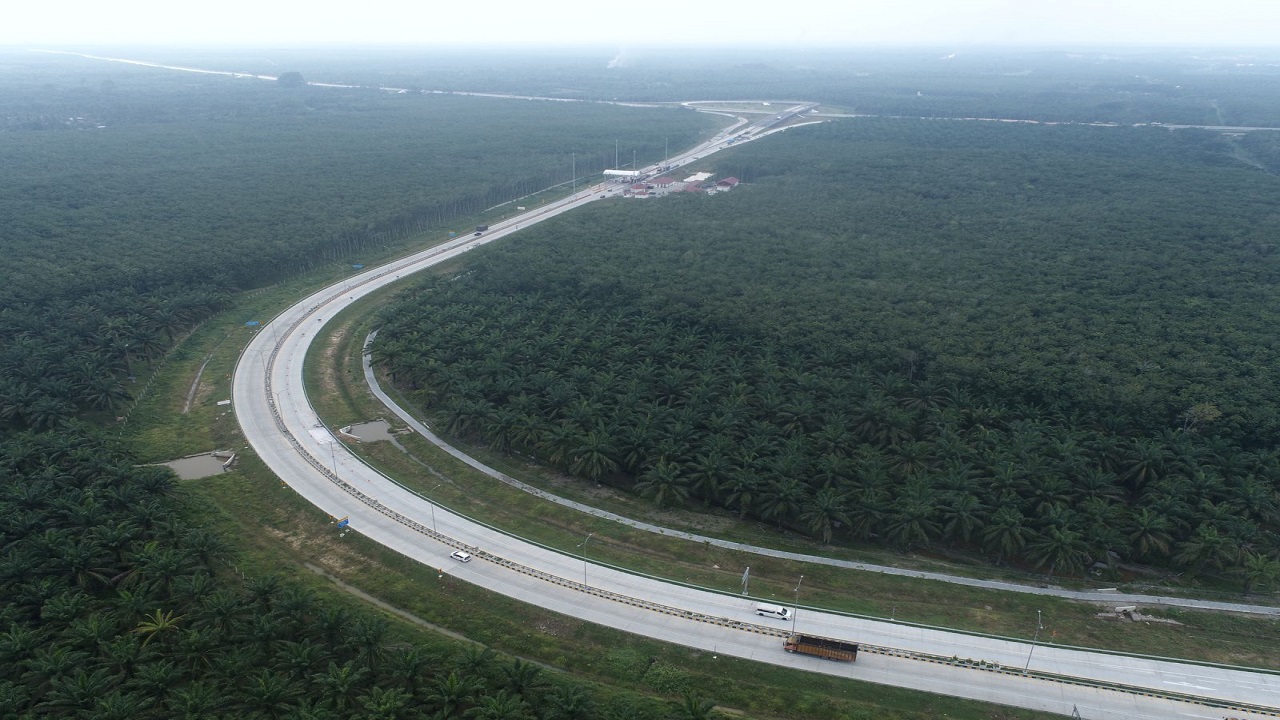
{"points": [[460, 556]]}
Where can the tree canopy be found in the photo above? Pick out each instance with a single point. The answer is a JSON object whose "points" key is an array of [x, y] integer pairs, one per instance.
{"points": [[1042, 343]]}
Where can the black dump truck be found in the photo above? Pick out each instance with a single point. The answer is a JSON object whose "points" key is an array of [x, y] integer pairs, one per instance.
{"points": [[822, 647]]}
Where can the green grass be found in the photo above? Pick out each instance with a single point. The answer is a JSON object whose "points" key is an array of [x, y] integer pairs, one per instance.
{"points": [[274, 531]]}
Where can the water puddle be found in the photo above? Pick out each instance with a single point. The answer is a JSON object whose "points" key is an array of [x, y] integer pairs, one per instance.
{"points": [[370, 431], [194, 467]]}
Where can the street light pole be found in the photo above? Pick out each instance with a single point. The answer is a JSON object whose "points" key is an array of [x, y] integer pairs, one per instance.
{"points": [[1034, 638], [584, 557], [795, 611], [432, 504]]}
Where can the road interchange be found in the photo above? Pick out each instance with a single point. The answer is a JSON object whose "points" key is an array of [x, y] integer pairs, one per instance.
{"points": [[285, 431]]}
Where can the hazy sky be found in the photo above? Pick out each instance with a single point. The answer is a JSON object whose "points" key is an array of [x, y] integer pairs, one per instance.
{"points": [[643, 22]]}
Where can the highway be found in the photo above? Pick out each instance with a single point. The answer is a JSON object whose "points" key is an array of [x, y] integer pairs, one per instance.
{"points": [[284, 430]]}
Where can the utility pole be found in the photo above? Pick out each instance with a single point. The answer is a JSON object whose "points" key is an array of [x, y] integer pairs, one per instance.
{"points": [[432, 504], [795, 610], [584, 557], [1034, 638], [573, 159]]}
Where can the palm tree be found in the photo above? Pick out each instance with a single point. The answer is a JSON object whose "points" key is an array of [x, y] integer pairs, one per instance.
{"points": [[1148, 533], [1095, 483], [867, 511], [1101, 522], [1146, 463], [157, 679], [693, 707], [910, 523], [570, 702], [386, 704], [407, 665], [744, 489], [78, 692], [558, 444], [195, 700], [824, 512], [158, 624], [782, 499], [912, 458], [593, 456], [301, 659], [524, 679], [118, 705], [47, 413], [708, 474], [499, 706], [367, 635], [664, 484], [1006, 535], [341, 684], [159, 566], [962, 516], [1207, 547], [502, 427], [475, 660], [1257, 569], [269, 693], [454, 692], [1058, 549]]}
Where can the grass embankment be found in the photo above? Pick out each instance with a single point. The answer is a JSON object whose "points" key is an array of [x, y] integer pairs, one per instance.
{"points": [[273, 530]]}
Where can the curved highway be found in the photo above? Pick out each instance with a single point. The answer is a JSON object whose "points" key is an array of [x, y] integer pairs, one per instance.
{"points": [[285, 431]]}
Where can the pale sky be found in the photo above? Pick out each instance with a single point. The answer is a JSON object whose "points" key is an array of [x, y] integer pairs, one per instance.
{"points": [[639, 23]]}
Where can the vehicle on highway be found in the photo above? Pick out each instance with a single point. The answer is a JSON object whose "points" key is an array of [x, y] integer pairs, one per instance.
{"points": [[828, 648], [478, 234], [773, 611], [460, 556]]}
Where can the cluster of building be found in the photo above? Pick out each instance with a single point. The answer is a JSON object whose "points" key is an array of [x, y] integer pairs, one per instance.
{"points": [[664, 185]]}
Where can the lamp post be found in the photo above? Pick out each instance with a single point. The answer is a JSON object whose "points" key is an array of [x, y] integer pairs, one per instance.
{"points": [[795, 611], [432, 504], [584, 557], [1034, 638]]}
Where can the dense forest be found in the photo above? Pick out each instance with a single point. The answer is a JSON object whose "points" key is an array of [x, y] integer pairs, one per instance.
{"points": [[137, 201], [1040, 343], [116, 608], [1051, 345]]}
